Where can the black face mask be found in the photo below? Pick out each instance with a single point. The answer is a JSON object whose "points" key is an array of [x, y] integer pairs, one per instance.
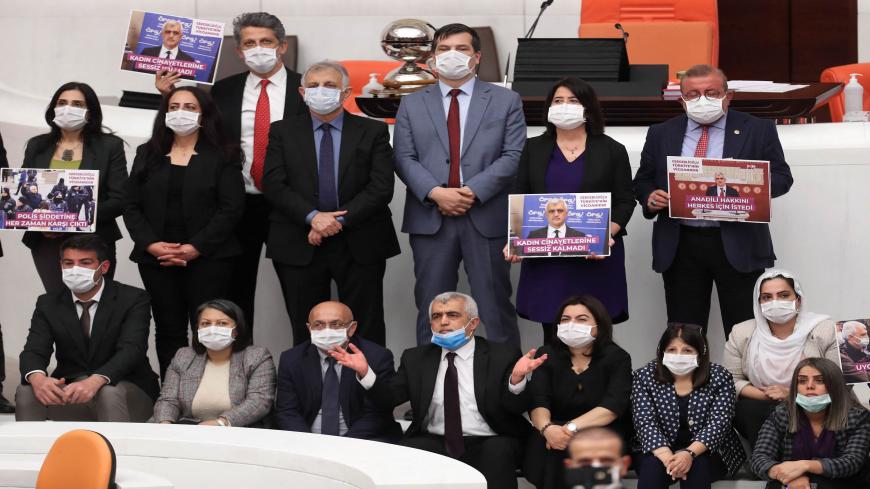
{"points": [[590, 478]]}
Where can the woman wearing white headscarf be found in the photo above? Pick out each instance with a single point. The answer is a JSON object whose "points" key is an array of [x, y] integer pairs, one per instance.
{"points": [[761, 353]]}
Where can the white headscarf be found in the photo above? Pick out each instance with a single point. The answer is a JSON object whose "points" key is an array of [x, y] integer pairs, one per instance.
{"points": [[771, 360]]}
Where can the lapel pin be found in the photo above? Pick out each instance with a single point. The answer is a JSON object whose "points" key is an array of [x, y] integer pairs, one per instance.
{"points": [[737, 131]]}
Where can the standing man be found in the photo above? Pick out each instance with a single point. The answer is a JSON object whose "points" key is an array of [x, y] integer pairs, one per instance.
{"points": [[691, 255], [5, 406], [249, 102], [329, 178], [457, 148]]}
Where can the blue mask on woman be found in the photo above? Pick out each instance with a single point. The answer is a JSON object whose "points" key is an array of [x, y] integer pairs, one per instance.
{"points": [[452, 340], [813, 404]]}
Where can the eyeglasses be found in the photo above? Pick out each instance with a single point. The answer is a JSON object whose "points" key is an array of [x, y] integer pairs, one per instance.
{"points": [[711, 94], [318, 325]]}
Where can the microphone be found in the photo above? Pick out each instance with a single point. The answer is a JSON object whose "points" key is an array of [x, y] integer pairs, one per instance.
{"points": [[624, 34], [544, 6]]}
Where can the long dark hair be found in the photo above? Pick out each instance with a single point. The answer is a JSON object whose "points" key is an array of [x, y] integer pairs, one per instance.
{"points": [[211, 131], [837, 417], [92, 128], [692, 335], [602, 319], [234, 312], [588, 99]]}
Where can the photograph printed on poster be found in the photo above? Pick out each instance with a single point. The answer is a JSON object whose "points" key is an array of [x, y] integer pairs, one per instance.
{"points": [[559, 225], [719, 189], [854, 350], [60, 201]]}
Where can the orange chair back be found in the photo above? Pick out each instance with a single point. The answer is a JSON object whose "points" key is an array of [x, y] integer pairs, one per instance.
{"points": [[840, 74], [79, 459], [359, 71]]}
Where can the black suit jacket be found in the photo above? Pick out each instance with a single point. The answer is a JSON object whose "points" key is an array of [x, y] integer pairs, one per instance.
{"points": [[103, 152], [606, 169], [542, 233], [729, 191], [365, 188], [155, 51], [493, 363], [748, 246], [228, 92], [4, 163], [213, 201], [116, 348], [300, 388]]}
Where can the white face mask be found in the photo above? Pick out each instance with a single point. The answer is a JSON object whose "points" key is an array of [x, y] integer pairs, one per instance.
{"points": [[79, 279], [453, 65], [215, 338], [566, 116], [704, 110], [322, 100], [779, 312], [261, 59], [680, 364], [865, 341], [575, 335], [69, 117], [182, 122], [327, 338]]}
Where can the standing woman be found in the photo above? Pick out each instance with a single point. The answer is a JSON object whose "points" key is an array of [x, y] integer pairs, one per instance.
{"points": [[182, 201], [77, 140], [574, 155]]}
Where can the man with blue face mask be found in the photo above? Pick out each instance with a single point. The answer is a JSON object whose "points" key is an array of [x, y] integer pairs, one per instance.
{"points": [[692, 255], [329, 178], [98, 331], [467, 394]]}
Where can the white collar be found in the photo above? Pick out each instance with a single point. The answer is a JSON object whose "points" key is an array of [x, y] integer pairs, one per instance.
{"points": [[464, 352], [561, 230], [97, 296], [279, 79], [163, 50]]}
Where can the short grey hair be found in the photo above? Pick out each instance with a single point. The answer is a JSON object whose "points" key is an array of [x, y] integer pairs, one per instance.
{"points": [[173, 22], [850, 328], [328, 64], [555, 201], [445, 297], [705, 70], [258, 19]]}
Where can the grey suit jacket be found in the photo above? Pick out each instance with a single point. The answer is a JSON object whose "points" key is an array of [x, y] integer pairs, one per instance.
{"points": [[494, 136], [252, 386]]}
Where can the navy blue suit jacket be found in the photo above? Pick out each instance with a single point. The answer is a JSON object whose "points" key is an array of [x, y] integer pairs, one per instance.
{"points": [[300, 385], [747, 245]]}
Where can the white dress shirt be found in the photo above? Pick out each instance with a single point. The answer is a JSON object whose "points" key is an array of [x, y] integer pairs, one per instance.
{"points": [[473, 423], [551, 231], [173, 53], [277, 91], [367, 382]]}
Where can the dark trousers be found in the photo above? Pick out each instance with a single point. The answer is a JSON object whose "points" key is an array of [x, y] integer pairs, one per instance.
{"points": [[46, 257], [700, 261], [2, 363], [252, 232], [706, 469], [496, 457], [360, 286], [825, 483], [749, 415], [176, 292]]}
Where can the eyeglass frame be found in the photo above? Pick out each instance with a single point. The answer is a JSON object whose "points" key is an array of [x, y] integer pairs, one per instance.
{"points": [[330, 325]]}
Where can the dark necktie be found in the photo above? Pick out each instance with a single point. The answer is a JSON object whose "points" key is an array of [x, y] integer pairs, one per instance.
{"points": [[701, 148], [326, 171], [453, 441], [85, 320], [556, 232], [168, 55], [329, 400], [455, 137]]}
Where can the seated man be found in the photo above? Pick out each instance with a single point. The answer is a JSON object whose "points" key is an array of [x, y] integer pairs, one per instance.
{"points": [[316, 395], [593, 455], [98, 329], [467, 394]]}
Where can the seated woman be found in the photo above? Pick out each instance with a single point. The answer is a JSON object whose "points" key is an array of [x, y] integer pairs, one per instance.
{"points": [[818, 436], [585, 382], [761, 353], [683, 406], [220, 380]]}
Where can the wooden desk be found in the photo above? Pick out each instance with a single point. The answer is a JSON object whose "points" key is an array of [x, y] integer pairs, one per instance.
{"points": [[644, 111]]}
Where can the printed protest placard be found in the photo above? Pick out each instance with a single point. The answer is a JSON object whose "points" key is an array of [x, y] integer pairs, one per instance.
{"points": [[59, 201], [854, 350], [719, 190], [559, 225], [179, 44]]}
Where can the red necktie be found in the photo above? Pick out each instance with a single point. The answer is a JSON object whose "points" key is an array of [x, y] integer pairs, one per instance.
{"points": [[455, 137], [721, 192], [701, 148], [262, 119]]}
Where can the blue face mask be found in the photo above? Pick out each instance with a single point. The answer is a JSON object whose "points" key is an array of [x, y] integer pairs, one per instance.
{"points": [[813, 404], [452, 340]]}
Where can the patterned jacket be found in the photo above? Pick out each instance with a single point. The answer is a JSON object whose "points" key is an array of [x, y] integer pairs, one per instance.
{"points": [[711, 411], [774, 445]]}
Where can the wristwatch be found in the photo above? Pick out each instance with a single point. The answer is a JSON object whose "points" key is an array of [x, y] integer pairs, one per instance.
{"points": [[572, 427]]}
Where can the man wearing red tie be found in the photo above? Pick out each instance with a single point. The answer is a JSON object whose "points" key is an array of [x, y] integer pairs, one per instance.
{"points": [[692, 255]]}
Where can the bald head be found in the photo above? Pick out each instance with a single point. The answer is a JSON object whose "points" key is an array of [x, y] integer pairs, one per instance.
{"points": [[330, 311], [597, 446]]}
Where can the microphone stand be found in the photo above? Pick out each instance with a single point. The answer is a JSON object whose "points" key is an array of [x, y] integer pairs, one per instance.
{"points": [[544, 6]]}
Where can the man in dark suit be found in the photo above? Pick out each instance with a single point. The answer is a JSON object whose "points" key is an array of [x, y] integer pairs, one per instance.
{"points": [[172, 34], [314, 399], [853, 351], [721, 188], [5, 406], [557, 214], [693, 254], [467, 394], [329, 177], [98, 329], [248, 108]]}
